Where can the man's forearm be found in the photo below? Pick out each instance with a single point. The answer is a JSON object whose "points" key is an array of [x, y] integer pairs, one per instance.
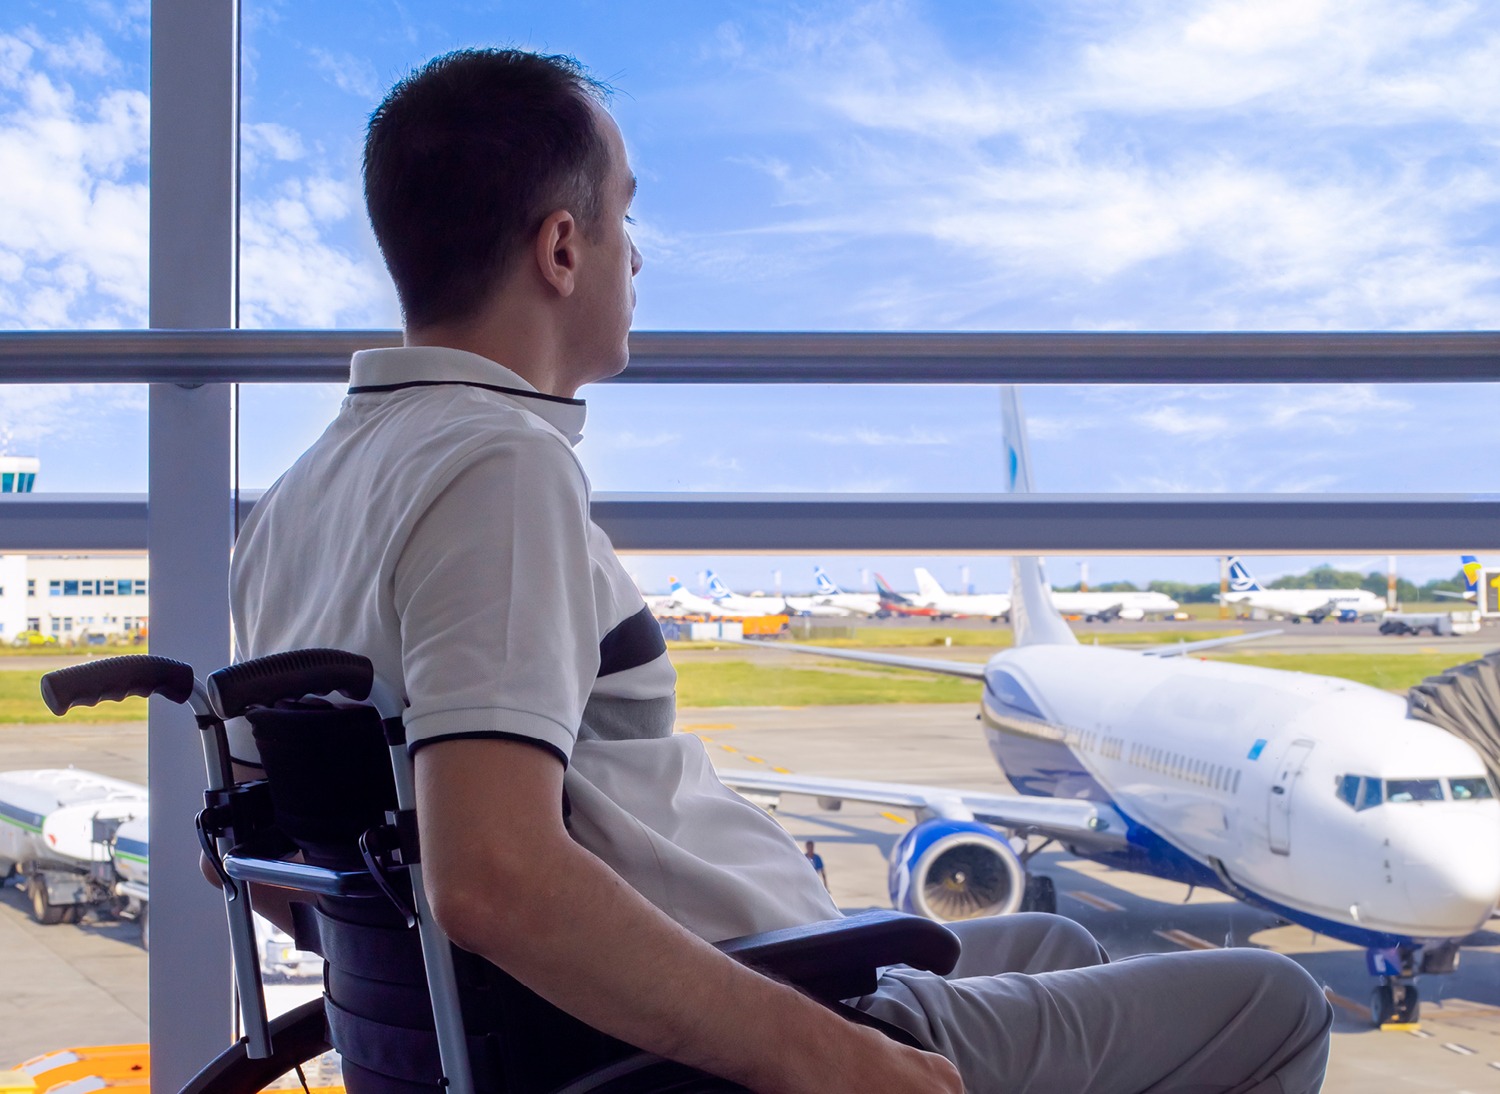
{"points": [[593, 946]]}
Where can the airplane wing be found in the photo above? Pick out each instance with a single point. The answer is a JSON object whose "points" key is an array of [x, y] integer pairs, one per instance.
{"points": [[1069, 820], [1177, 649], [972, 670], [1453, 596]]}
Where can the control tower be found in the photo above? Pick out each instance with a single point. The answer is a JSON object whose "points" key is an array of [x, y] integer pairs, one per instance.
{"points": [[18, 474]]}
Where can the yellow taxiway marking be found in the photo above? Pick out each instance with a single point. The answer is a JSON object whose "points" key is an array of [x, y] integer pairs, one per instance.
{"points": [[699, 727], [729, 748], [1095, 901], [895, 817], [1185, 940], [754, 759], [782, 770]]}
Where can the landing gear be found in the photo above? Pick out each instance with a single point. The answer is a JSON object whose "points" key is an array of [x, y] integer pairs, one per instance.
{"points": [[1041, 895], [1395, 1002]]}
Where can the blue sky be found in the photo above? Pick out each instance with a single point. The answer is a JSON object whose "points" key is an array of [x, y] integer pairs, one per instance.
{"points": [[1073, 164]]}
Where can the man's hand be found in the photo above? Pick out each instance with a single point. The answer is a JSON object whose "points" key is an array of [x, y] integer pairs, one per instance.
{"points": [[507, 882]]}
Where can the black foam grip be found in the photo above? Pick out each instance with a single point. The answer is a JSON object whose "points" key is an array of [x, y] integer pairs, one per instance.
{"points": [[268, 680], [115, 678]]}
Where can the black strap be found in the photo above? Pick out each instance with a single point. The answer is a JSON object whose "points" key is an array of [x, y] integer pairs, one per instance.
{"points": [[389, 954], [409, 1055]]}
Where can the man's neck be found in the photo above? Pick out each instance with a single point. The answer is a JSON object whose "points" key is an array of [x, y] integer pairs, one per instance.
{"points": [[527, 351]]}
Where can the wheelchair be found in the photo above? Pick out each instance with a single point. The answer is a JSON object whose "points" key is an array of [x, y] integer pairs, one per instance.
{"points": [[334, 821]]}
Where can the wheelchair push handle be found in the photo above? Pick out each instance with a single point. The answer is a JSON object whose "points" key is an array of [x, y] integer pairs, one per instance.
{"points": [[115, 678], [268, 680]]}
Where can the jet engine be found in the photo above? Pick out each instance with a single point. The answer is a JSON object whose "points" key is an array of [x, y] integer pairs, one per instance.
{"points": [[950, 869]]}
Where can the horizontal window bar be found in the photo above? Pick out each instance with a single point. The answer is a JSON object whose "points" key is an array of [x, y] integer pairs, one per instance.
{"points": [[877, 523], [791, 357]]}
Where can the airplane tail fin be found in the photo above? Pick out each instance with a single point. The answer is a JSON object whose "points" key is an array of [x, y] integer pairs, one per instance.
{"points": [[928, 586], [1240, 580], [673, 585], [888, 595], [824, 583], [1471, 570], [1034, 619], [717, 590]]}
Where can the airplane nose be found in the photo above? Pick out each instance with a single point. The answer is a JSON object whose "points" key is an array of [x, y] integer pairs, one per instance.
{"points": [[1453, 874]]}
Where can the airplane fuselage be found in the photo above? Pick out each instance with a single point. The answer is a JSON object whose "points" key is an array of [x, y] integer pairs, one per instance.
{"points": [[1240, 778]]}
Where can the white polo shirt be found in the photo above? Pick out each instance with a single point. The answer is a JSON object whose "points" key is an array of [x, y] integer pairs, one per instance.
{"points": [[440, 527]]}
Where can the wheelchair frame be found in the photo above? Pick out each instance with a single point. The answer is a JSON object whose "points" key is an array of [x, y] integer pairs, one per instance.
{"points": [[832, 961]]}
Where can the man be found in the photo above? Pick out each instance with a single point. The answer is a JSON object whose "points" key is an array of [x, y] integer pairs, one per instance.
{"points": [[441, 527], [812, 856]]}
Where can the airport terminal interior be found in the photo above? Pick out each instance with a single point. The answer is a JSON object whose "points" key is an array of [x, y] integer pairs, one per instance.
{"points": [[1016, 550]]}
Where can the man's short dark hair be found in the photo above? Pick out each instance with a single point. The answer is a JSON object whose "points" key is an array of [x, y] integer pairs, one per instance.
{"points": [[464, 160]]}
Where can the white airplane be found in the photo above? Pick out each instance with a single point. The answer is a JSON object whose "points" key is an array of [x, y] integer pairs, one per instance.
{"points": [[1107, 607], [680, 602], [1299, 604], [731, 603], [931, 594], [831, 601], [1318, 799]]}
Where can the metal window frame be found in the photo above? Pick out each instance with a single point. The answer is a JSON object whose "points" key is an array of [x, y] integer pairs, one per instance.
{"points": [[191, 358]]}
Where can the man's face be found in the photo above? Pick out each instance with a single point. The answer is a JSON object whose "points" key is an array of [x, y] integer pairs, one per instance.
{"points": [[606, 286]]}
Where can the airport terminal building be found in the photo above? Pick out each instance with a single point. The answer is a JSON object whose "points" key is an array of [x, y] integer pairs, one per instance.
{"points": [[68, 598]]}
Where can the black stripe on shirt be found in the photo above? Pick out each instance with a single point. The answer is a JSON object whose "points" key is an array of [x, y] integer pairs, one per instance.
{"points": [[633, 642], [365, 389]]}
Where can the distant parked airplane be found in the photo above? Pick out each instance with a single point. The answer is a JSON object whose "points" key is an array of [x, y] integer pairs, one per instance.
{"points": [[931, 593], [830, 600], [1299, 604]]}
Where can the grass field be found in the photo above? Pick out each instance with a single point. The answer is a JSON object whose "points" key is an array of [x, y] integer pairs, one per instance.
{"points": [[732, 682], [21, 701], [1392, 671]]}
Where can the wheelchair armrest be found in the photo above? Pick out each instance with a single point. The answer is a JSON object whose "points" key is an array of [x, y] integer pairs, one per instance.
{"points": [[316, 880], [840, 958]]}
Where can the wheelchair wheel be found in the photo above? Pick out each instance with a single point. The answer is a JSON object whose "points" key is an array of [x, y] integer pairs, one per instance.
{"points": [[297, 1036]]}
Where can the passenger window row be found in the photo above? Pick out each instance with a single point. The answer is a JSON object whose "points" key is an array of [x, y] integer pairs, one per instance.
{"points": [[1187, 769]]}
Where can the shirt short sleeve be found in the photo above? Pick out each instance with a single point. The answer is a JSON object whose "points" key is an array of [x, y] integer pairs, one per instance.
{"points": [[494, 593]]}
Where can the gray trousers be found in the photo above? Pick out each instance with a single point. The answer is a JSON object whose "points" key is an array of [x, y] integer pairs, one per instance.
{"points": [[1035, 1007]]}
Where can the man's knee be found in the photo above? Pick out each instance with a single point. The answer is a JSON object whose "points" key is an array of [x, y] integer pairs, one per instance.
{"points": [[1289, 992], [1030, 942]]}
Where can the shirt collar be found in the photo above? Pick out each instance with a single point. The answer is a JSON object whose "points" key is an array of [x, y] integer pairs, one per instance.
{"points": [[418, 366]]}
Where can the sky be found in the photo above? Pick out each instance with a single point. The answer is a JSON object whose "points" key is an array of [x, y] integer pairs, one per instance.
{"points": [[895, 165]]}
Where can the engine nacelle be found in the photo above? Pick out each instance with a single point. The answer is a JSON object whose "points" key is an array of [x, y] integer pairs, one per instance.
{"points": [[948, 870]]}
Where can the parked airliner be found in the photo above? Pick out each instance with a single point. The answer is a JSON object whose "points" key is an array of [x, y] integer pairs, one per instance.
{"points": [[1106, 607], [1315, 798], [1298, 604], [931, 593], [830, 600], [731, 603]]}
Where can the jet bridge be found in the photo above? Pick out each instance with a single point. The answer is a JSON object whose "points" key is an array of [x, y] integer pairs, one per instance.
{"points": [[1465, 701]]}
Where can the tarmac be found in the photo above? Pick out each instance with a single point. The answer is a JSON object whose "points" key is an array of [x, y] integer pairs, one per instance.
{"points": [[86, 984]]}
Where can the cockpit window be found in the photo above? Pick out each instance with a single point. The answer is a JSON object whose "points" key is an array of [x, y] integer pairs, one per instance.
{"points": [[1413, 790], [1471, 789], [1359, 791]]}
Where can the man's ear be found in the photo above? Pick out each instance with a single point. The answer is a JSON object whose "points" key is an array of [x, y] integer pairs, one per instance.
{"points": [[556, 252]]}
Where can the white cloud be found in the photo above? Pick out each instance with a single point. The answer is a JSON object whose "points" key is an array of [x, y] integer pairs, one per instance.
{"points": [[291, 276], [268, 141], [1264, 163], [1178, 422], [73, 199], [864, 435], [349, 73]]}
